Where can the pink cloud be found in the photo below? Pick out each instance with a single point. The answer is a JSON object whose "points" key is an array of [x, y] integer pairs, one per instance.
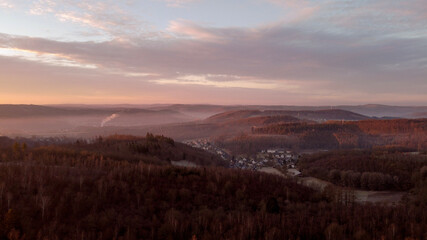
{"points": [[298, 10], [354, 51], [109, 18], [189, 29], [6, 4]]}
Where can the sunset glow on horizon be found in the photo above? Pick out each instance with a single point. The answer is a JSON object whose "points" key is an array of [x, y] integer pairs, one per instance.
{"points": [[274, 52]]}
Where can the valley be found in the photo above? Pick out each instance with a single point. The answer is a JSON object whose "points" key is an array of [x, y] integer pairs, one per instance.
{"points": [[284, 163], [148, 175]]}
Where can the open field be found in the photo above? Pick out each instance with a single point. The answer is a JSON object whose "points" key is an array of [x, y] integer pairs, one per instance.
{"points": [[362, 196], [271, 171]]}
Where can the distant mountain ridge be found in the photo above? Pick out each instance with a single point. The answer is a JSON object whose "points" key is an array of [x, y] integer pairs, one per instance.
{"points": [[371, 110], [206, 110], [181, 121], [18, 111]]}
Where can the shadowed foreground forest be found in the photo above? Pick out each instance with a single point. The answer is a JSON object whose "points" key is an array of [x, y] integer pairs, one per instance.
{"points": [[375, 169], [124, 187]]}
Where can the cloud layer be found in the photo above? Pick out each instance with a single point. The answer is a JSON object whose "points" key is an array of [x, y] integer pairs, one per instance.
{"points": [[333, 51]]}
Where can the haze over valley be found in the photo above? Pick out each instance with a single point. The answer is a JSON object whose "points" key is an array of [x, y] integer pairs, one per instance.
{"points": [[94, 120]]}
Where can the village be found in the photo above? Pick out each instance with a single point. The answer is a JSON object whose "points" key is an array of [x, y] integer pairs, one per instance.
{"points": [[208, 146], [281, 159]]}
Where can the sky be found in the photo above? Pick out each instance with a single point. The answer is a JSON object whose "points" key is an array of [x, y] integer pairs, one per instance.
{"points": [[276, 52]]}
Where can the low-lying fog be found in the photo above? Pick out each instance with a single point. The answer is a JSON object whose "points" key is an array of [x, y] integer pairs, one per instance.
{"points": [[81, 125]]}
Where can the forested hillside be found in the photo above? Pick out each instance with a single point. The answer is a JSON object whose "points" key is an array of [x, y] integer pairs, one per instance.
{"points": [[378, 169], [353, 134], [313, 115], [123, 187]]}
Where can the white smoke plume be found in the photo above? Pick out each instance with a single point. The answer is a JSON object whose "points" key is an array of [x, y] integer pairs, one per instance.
{"points": [[107, 119]]}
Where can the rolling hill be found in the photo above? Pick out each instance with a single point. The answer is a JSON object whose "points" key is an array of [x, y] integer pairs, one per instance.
{"points": [[316, 115], [354, 134]]}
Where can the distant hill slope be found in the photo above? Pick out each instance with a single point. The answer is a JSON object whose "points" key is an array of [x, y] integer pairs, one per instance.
{"points": [[350, 134], [379, 110], [227, 124], [33, 120], [420, 115], [233, 115], [321, 115], [316, 115], [232, 123], [263, 120], [371, 110]]}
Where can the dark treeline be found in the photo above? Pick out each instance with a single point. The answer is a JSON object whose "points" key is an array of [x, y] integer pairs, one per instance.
{"points": [[378, 169], [84, 191], [395, 126], [353, 134], [151, 149]]}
